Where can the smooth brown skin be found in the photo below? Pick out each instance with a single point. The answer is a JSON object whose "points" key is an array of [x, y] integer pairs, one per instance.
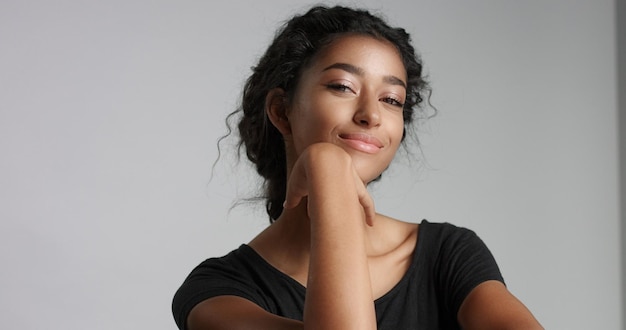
{"points": [[345, 264]]}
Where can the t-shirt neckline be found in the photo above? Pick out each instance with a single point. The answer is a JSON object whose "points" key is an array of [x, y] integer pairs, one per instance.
{"points": [[405, 278]]}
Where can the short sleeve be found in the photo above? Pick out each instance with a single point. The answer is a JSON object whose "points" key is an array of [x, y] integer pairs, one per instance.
{"points": [[464, 262], [213, 277]]}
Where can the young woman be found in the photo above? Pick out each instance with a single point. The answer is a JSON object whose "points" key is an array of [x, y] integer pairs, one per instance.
{"points": [[322, 115]]}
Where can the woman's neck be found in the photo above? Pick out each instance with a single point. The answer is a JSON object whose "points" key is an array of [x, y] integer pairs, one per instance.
{"points": [[286, 243]]}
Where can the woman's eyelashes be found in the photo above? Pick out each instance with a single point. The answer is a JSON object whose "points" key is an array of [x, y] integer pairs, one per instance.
{"points": [[340, 87], [345, 88], [393, 101]]}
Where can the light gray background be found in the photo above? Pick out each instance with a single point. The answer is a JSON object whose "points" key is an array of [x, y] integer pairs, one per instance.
{"points": [[110, 110]]}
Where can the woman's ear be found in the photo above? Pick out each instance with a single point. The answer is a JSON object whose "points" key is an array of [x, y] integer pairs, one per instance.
{"points": [[276, 109]]}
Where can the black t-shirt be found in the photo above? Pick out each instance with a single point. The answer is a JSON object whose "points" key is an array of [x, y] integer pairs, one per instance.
{"points": [[447, 264]]}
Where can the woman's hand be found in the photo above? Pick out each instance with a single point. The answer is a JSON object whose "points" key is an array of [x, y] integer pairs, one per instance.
{"points": [[316, 159]]}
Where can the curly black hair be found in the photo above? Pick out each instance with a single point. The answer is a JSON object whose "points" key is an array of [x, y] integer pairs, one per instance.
{"points": [[293, 48]]}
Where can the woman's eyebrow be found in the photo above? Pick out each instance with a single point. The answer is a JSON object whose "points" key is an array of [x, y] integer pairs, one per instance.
{"points": [[393, 80], [346, 67], [390, 79]]}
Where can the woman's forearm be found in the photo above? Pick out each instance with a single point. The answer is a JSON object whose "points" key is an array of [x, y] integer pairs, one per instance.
{"points": [[339, 294]]}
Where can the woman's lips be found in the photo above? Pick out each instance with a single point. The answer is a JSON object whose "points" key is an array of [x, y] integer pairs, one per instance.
{"points": [[362, 142]]}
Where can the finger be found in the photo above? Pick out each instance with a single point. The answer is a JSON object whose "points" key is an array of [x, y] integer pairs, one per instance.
{"points": [[368, 208], [365, 199], [296, 187], [293, 198]]}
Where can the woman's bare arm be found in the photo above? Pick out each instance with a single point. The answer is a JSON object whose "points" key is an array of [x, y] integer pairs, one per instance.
{"points": [[339, 291], [339, 294], [491, 306], [236, 313]]}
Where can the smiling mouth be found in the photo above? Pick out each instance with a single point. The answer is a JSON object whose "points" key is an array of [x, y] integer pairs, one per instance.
{"points": [[362, 142]]}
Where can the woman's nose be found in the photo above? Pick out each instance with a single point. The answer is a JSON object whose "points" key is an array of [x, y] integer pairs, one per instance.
{"points": [[368, 113]]}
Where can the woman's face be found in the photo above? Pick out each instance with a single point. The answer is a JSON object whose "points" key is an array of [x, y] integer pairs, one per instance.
{"points": [[352, 95]]}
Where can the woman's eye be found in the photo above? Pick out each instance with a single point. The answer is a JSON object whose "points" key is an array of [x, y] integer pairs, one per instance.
{"points": [[392, 101], [339, 87]]}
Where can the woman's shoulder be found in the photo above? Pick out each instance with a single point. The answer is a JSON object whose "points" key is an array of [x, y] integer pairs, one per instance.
{"points": [[423, 234], [445, 232], [399, 231], [240, 258]]}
